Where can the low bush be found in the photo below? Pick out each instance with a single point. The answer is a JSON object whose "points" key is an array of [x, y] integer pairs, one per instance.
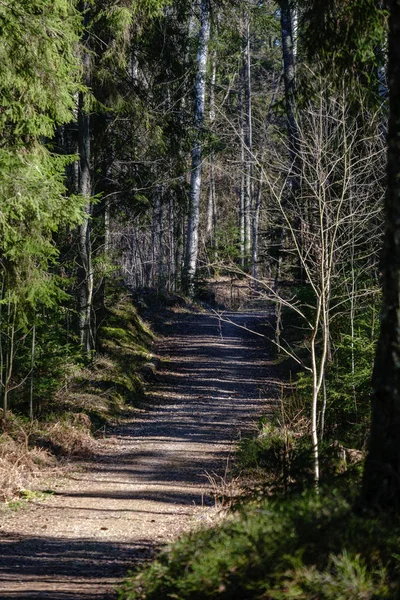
{"points": [[88, 397], [66, 437], [306, 547], [20, 465]]}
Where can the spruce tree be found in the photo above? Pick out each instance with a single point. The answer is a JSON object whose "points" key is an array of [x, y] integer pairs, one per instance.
{"points": [[39, 74]]}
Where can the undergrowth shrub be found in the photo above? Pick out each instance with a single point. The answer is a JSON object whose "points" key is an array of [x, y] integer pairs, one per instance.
{"points": [[278, 459], [20, 464], [353, 329], [306, 547], [89, 395], [277, 456], [346, 576], [66, 437]]}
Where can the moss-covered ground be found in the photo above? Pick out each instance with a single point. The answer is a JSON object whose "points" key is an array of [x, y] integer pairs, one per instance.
{"points": [[90, 395]]}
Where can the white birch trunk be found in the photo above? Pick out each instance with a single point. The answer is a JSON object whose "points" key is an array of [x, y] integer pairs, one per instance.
{"points": [[212, 208], [192, 242], [295, 26], [248, 140], [242, 180], [254, 231]]}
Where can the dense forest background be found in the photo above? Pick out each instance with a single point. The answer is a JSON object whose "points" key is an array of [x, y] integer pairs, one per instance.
{"points": [[149, 148], [155, 145]]}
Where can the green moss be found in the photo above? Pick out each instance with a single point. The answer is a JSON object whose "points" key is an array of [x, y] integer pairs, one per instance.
{"points": [[30, 495], [112, 382]]}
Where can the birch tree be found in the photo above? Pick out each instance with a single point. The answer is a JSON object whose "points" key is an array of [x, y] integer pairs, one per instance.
{"points": [[192, 243], [247, 152], [211, 226], [336, 158]]}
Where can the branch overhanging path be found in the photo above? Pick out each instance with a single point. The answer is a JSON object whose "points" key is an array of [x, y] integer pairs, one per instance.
{"points": [[149, 481]]}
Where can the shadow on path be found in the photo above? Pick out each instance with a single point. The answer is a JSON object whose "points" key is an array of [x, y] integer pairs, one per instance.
{"points": [[148, 482]]}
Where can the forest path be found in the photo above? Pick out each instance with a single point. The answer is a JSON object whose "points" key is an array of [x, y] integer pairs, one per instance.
{"points": [[148, 481]]}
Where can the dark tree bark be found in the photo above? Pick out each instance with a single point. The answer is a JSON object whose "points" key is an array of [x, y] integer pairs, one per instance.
{"points": [[242, 219], [381, 485], [289, 76], [85, 272], [248, 140]]}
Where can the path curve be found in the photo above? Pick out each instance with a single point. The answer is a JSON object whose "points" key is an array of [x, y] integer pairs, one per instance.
{"points": [[148, 482]]}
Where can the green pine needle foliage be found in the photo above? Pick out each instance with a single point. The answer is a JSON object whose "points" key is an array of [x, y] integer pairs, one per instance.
{"points": [[33, 206], [348, 34], [310, 547], [39, 66], [39, 74]]}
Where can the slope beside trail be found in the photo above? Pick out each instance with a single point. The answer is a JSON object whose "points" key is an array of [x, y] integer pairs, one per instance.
{"points": [[147, 483]]}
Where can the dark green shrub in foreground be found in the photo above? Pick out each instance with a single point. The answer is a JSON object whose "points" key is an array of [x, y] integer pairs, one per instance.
{"points": [[308, 547]]}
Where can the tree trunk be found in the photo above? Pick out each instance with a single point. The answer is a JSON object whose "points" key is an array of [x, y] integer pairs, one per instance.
{"points": [[254, 232], [32, 376], [248, 140], [242, 178], [381, 485], [288, 56], [107, 232], [172, 244], [289, 49], [85, 246], [85, 275], [192, 242], [158, 238], [212, 208], [295, 26], [9, 357]]}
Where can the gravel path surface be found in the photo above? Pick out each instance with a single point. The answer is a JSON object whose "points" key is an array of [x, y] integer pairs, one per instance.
{"points": [[148, 482]]}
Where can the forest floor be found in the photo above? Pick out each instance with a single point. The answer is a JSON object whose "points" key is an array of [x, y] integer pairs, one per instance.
{"points": [[148, 481]]}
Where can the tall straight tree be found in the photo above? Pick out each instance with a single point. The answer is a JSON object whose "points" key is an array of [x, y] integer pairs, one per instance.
{"points": [[39, 71], [192, 244], [85, 275], [248, 196], [381, 485], [289, 76], [211, 227], [105, 53]]}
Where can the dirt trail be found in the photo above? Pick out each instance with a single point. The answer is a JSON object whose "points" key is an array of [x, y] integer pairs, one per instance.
{"points": [[148, 481]]}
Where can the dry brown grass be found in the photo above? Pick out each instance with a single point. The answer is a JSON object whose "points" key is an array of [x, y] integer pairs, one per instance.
{"points": [[231, 292], [28, 451], [70, 438], [20, 465], [225, 489]]}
